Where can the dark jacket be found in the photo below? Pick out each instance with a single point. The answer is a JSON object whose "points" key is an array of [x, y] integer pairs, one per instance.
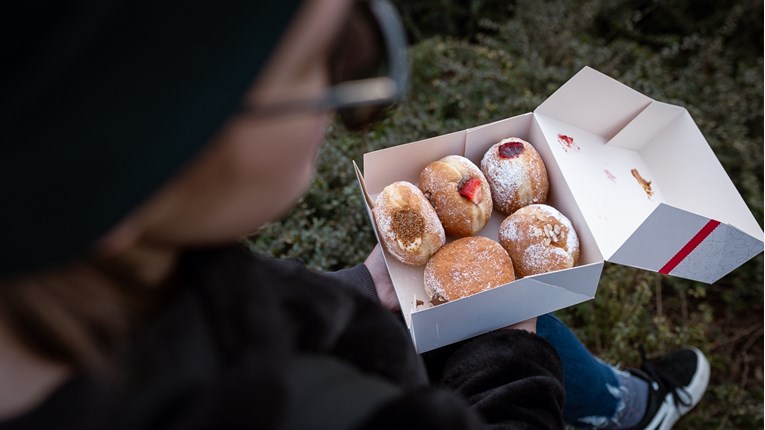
{"points": [[248, 342]]}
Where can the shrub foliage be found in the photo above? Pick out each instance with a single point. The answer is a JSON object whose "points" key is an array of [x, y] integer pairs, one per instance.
{"points": [[478, 61]]}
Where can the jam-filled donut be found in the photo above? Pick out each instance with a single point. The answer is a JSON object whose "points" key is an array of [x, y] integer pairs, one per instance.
{"points": [[459, 193], [516, 174], [408, 226]]}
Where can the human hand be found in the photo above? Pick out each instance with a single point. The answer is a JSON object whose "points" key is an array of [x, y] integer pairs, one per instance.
{"points": [[383, 284], [530, 325]]}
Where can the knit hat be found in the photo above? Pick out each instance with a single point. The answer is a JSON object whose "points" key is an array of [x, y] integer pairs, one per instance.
{"points": [[101, 101]]}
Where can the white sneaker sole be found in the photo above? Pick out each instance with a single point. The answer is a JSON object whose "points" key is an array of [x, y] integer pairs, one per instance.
{"points": [[668, 414]]}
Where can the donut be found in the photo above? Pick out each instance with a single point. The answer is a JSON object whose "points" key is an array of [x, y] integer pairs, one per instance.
{"points": [[459, 193], [539, 239], [407, 224], [466, 266], [516, 174]]}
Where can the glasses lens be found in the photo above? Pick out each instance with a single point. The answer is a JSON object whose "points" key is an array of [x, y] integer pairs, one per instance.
{"points": [[361, 117], [360, 50], [360, 53], [367, 67]]}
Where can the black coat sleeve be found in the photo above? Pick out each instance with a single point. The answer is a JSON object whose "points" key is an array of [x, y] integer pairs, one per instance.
{"points": [[512, 378], [425, 408], [359, 278]]}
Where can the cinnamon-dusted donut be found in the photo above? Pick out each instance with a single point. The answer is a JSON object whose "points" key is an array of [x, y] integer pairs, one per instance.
{"points": [[467, 266], [539, 239], [516, 174], [459, 193], [408, 226]]}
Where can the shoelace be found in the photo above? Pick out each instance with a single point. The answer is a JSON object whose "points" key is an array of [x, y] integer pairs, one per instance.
{"points": [[667, 383]]}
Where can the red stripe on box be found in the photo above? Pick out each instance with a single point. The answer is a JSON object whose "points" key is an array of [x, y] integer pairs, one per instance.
{"points": [[690, 246]]}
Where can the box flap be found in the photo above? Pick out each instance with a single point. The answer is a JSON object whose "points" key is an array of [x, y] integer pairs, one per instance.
{"points": [[363, 188], [680, 243], [583, 281], [595, 102], [707, 257], [499, 307], [690, 176], [647, 125], [624, 180], [659, 238]]}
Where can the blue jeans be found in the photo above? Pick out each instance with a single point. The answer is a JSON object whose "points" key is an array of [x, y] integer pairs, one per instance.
{"points": [[593, 396]]}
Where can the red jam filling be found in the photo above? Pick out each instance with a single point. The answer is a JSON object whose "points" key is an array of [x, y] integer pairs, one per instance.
{"points": [[511, 149]]}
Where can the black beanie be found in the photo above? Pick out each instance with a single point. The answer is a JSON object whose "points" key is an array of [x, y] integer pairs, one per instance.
{"points": [[102, 101]]}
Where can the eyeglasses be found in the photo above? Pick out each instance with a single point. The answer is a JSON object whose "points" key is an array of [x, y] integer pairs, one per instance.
{"points": [[368, 70]]}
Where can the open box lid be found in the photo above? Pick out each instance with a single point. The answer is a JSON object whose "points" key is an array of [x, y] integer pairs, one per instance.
{"points": [[635, 177], [646, 181]]}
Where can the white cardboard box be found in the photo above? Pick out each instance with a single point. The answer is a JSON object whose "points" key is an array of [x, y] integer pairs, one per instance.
{"points": [[598, 139]]}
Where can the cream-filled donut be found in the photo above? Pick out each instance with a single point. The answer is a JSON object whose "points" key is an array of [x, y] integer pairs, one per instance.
{"points": [[407, 224]]}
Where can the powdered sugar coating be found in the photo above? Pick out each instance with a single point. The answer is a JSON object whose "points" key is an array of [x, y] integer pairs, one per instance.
{"points": [[539, 239], [517, 181], [467, 266], [414, 248]]}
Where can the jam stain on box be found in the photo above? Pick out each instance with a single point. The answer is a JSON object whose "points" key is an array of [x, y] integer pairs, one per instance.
{"points": [[567, 142]]}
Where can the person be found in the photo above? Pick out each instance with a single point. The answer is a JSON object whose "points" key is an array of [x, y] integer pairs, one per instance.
{"points": [[141, 142]]}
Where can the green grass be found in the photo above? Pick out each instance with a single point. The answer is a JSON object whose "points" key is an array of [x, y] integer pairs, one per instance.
{"points": [[708, 60]]}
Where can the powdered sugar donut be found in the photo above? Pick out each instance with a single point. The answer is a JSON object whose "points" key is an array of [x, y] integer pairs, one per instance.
{"points": [[467, 266], [539, 239], [459, 193], [516, 174], [408, 226]]}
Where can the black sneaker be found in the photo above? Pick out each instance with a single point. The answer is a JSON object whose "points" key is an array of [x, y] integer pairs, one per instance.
{"points": [[676, 383]]}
